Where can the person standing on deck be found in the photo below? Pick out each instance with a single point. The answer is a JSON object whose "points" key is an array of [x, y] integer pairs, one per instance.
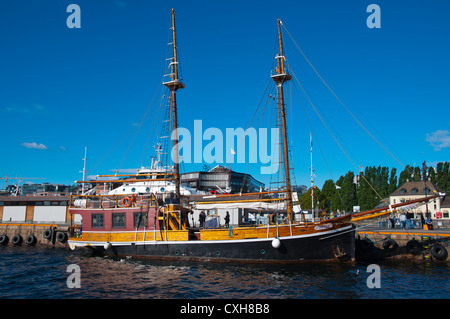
{"points": [[227, 219]]}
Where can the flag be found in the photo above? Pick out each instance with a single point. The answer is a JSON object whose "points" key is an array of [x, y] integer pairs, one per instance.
{"points": [[338, 187], [310, 139]]}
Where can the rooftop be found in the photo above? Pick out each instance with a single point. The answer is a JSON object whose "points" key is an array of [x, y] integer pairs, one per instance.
{"points": [[417, 188]]}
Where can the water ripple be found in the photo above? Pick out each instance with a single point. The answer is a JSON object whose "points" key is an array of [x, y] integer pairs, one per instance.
{"points": [[41, 273]]}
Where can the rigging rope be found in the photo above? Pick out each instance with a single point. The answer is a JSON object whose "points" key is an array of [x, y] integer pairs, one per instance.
{"points": [[326, 126], [339, 100], [139, 127]]}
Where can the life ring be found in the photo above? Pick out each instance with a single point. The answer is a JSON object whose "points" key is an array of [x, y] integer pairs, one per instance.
{"points": [[439, 252], [390, 245], [126, 202], [48, 234], [61, 237], [17, 240], [4, 239], [140, 199], [31, 240], [414, 247]]}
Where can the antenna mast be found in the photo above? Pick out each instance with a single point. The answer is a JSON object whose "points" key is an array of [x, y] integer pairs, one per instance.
{"points": [[174, 84], [280, 77], [84, 169]]}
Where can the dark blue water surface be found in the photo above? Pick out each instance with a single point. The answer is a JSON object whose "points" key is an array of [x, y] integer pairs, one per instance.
{"points": [[41, 273]]}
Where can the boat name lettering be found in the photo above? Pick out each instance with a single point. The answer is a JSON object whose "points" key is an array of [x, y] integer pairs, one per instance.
{"points": [[324, 226]]}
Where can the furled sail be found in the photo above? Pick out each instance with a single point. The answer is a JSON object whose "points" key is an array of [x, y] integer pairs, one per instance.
{"points": [[241, 201]]}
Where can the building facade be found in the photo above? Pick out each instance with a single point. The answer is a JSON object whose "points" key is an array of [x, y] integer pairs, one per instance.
{"points": [[437, 208], [222, 179]]}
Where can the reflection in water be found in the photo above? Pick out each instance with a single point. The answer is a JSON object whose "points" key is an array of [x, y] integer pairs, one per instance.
{"points": [[42, 273]]}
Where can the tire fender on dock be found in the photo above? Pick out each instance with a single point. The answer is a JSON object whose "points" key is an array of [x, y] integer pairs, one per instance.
{"points": [[439, 252], [4, 239], [48, 234], [17, 240], [61, 237], [390, 245], [414, 247], [31, 240]]}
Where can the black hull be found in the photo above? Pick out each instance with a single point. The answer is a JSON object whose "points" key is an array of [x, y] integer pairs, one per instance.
{"points": [[326, 246]]}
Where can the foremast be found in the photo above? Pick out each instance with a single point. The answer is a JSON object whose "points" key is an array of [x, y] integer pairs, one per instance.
{"points": [[280, 77], [174, 84]]}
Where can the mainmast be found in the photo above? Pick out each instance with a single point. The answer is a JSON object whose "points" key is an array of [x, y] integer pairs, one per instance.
{"points": [[84, 169], [174, 84], [312, 179], [280, 77]]}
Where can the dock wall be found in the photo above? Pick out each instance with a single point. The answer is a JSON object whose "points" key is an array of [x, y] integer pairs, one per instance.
{"points": [[373, 244], [56, 234]]}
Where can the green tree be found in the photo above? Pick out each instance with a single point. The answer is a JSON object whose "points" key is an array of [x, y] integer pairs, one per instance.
{"points": [[305, 199], [405, 175], [417, 175], [443, 176], [432, 174], [392, 181], [328, 192], [348, 194]]}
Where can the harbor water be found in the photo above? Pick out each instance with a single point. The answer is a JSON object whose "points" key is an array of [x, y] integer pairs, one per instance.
{"points": [[45, 273]]}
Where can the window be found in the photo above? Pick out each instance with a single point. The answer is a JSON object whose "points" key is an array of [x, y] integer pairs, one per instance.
{"points": [[97, 221], [118, 220], [142, 222], [414, 191], [402, 191], [427, 190], [212, 212]]}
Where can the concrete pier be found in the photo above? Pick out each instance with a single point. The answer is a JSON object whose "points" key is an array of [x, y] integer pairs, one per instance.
{"points": [[58, 234], [372, 243]]}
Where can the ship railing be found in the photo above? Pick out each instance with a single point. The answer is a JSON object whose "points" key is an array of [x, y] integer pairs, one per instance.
{"points": [[112, 201]]}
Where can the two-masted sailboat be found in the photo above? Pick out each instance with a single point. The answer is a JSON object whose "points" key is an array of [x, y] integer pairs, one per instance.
{"points": [[147, 224]]}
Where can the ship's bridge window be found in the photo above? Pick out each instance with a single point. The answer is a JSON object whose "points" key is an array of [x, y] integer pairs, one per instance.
{"points": [[141, 220], [97, 221], [118, 220]]}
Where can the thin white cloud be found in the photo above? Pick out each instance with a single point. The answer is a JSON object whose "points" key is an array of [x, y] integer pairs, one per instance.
{"points": [[439, 139], [37, 108], [34, 145]]}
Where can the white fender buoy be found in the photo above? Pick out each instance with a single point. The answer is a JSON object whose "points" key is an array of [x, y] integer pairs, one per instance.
{"points": [[107, 245], [276, 243]]}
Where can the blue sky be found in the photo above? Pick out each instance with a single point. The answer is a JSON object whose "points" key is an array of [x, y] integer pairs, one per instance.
{"points": [[63, 89]]}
